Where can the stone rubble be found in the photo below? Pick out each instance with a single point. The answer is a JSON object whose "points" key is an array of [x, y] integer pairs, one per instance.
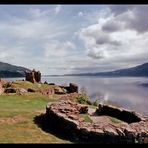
{"points": [[65, 116]]}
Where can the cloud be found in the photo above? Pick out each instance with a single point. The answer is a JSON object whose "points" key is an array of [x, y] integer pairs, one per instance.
{"points": [[58, 49], [36, 12], [133, 17], [23, 39], [117, 10], [95, 55], [112, 26], [97, 42], [57, 9], [119, 36], [109, 37]]}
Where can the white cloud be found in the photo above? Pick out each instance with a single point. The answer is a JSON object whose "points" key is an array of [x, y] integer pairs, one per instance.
{"points": [[57, 9], [36, 12], [116, 38], [23, 39], [56, 49]]}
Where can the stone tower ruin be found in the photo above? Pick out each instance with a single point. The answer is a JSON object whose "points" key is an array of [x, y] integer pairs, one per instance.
{"points": [[33, 76]]}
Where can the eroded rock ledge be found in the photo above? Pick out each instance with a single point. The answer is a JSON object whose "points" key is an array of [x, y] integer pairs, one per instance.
{"points": [[66, 116]]}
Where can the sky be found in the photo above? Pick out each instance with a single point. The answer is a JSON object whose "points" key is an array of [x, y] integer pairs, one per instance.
{"points": [[64, 39]]}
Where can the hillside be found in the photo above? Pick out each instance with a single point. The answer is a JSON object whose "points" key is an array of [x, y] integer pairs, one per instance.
{"points": [[8, 70], [140, 70]]}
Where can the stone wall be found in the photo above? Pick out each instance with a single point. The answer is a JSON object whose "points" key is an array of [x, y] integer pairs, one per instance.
{"points": [[64, 116], [122, 114], [33, 76]]}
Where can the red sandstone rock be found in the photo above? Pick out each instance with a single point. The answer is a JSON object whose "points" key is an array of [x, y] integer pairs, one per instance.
{"points": [[67, 113]]}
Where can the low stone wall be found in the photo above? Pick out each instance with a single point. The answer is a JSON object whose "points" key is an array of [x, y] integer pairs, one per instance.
{"points": [[122, 114], [65, 116]]}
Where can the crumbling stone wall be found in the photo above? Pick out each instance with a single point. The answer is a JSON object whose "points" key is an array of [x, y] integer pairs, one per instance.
{"points": [[33, 76], [122, 114], [64, 116]]}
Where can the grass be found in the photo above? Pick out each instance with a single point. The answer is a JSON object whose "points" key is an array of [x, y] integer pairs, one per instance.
{"points": [[115, 120], [17, 115], [85, 117], [35, 86]]}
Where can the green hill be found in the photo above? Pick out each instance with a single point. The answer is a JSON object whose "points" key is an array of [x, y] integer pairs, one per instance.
{"points": [[8, 70]]}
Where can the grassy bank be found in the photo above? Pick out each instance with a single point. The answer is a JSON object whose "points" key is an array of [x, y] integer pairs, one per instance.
{"points": [[17, 115]]}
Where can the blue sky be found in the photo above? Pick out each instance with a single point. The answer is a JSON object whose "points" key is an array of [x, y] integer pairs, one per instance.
{"points": [[59, 39]]}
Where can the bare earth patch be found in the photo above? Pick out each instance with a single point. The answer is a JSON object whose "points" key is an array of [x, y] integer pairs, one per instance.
{"points": [[12, 120]]}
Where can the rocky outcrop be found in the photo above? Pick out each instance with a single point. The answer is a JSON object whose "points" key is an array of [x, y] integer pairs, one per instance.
{"points": [[72, 88], [59, 90], [21, 91], [66, 117], [10, 90], [47, 91], [33, 76], [31, 90], [70, 96]]}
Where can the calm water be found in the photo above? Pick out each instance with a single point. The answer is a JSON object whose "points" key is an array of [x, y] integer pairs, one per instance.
{"points": [[124, 91]]}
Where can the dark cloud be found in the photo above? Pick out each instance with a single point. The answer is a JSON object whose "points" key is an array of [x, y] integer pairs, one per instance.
{"points": [[139, 21], [105, 38], [108, 41], [118, 9], [134, 17], [112, 26], [102, 39], [95, 55]]}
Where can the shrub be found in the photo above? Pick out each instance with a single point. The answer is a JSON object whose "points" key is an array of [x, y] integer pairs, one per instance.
{"points": [[82, 99]]}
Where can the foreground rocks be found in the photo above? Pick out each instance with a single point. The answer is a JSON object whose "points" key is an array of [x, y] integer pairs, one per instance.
{"points": [[66, 116]]}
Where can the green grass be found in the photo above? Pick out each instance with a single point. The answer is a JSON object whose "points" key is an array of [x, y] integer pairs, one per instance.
{"points": [[35, 86], [29, 101], [85, 117], [115, 120], [22, 110]]}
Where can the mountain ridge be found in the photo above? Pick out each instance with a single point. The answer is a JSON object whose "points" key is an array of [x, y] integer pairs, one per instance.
{"points": [[140, 70], [9, 70]]}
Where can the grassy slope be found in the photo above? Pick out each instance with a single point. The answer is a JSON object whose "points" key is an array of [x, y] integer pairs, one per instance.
{"points": [[17, 119], [36, 86]]}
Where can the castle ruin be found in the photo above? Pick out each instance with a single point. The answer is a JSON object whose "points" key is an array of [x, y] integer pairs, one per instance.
{"points": [[33, 76]]}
